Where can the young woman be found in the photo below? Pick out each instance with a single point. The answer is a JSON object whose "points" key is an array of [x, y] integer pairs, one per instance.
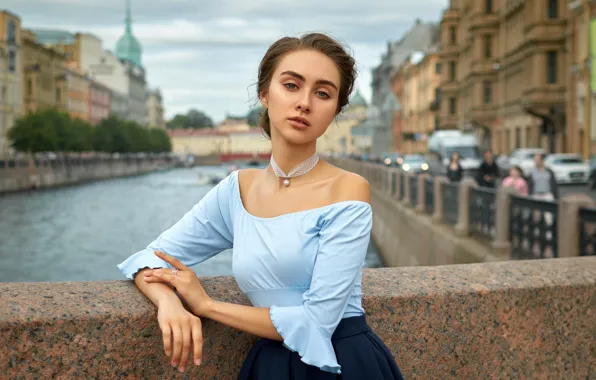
{"points": [[516, 180], [299, 228], [454, 169]]}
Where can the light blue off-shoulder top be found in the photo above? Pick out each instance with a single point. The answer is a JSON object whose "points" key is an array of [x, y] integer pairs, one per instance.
{"points": [[305, 266]]}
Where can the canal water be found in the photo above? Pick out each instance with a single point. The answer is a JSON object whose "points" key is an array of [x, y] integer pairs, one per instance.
{"points": [[81, 233]]}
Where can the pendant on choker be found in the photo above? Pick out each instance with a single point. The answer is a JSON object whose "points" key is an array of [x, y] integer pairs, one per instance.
{"points": [[286, 182]]}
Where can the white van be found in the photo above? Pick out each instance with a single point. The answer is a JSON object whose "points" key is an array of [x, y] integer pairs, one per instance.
{"points": [[442, 144]]}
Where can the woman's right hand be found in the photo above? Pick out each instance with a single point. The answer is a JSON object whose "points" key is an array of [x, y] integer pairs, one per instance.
{"points": [[182, 332]]}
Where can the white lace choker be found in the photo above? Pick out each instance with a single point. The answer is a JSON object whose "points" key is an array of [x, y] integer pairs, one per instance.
{"points": [[301, 169]]}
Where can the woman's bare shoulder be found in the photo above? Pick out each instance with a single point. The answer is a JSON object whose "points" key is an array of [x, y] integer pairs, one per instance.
{"points": [[350, 186]]}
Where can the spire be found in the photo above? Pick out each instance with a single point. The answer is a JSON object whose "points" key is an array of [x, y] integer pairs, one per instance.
{"points": [[128, 19]]}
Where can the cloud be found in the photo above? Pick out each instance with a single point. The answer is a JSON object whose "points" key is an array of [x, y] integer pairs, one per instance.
{"points": [[205, 54]]}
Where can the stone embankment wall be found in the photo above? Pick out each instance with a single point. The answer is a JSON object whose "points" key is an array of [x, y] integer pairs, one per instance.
{"points": [[45, 175], [501, 320]]}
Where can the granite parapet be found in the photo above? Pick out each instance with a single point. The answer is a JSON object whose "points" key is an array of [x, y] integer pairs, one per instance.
{"points": [[498, 320]]}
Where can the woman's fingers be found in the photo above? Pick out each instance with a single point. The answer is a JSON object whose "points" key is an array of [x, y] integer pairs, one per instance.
{"points": [[171, 260], [186, 339], [177, 350], [197, 341], [166, 332]]}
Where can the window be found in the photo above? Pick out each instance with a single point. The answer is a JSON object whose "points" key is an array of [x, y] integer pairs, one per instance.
{"points": [[438, 95], [488, 6], [551, 67], [11, 32], [12, 61], [552, 12], [452, 68], [29, 87], [452, 106], [438, 68], [452, 35], [488, 92], [58, 95], [517, 137], [488, 46]]}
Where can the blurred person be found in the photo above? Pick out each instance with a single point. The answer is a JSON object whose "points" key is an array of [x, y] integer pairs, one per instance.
{"points": [[488, 173], [542, 183], [516, 181], [299, 239], [454, 169]]}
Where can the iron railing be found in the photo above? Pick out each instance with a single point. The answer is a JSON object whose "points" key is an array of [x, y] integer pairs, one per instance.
{"points": [[587, 231], [402, 185], [429, 195], [414, 190], [450, 203], [533, 228], [482, 212]]}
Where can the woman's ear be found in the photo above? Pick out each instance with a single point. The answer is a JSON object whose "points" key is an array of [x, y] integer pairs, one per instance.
{"points": [[263, 99]]}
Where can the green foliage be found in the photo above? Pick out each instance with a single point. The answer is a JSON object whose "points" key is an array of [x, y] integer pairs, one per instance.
{"points": [[54, 131], [194, 119], [254, 115]]}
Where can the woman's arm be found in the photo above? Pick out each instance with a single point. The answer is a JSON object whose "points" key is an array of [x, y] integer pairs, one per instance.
{"points": [[253, 320]]}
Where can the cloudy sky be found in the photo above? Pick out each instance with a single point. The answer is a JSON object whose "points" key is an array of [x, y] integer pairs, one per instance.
{"points": [[205, 54]]}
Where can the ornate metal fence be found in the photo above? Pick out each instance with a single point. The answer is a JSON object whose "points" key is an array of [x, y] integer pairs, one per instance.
{"points": [[429, 195], [587, 231], [402, 185], [533, 228], [450, 203], [482, 212], [414, 190]]}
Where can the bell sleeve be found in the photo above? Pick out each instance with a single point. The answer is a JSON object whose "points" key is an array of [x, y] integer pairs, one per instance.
{"points": [[201, 233], [307, 329]]}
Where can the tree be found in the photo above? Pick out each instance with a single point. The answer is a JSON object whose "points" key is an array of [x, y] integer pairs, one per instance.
{"points": [[254, 115], [33, 133], [194, 119]]}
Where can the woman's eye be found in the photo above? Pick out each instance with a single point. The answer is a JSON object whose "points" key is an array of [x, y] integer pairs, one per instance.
{"points": [[323, 94], [291, 86]]}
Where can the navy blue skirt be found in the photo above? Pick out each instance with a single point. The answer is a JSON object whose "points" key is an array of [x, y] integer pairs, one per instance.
{"points": [[359, 351]]}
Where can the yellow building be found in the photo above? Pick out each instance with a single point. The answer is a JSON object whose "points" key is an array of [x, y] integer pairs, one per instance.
{"points": [[338, 138], [210, 141], [421, 79], [77, 89], [45, 76], [11, 77], [155, 111]]}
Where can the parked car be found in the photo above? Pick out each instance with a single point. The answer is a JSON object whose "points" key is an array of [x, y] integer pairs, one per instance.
{"points": [[568, 167], [524, 158]]}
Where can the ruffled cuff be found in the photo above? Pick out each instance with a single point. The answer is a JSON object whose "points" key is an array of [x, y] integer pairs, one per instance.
{"points": [[304, 337], [141, 260]]}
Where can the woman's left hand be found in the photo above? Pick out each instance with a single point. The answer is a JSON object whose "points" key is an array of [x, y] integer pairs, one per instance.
{"points": [[184, 280]]}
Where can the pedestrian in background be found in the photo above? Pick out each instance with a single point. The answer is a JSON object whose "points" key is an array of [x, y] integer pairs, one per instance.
{"points": [[488, 173], [454, 169], [516, 181]]}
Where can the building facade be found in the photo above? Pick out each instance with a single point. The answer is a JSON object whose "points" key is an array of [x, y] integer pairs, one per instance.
{"points": [[420, 76], [504, 72], [418, 38], [11, 77], [44, 76], [77, 89], [211, 141], [155, 109], [338, 136], [580, 79], [100, 98]]}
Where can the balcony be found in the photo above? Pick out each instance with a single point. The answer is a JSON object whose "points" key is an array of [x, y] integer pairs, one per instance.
{"points": [[448, 86], [547, 31], [483, 21], [450, 15], [543, 96], [448, 121]]}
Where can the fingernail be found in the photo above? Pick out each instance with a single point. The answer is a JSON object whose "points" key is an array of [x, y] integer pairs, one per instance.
{"points": [[173, 364], [198, 362], [181, 369]]}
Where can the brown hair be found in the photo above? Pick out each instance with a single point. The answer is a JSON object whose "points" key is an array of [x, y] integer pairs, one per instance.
{"points": [[316, 41]]}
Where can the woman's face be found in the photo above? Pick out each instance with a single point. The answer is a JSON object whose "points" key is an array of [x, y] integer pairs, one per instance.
{"points": [[514, 173], [302, 97]]}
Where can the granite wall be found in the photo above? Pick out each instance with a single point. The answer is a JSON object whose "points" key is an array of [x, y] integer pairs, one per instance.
{"points": [[77, 171], [499, 320]]}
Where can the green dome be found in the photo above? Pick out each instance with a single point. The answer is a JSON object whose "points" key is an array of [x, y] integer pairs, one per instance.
{"points": [[358, 100], [128, 47]]}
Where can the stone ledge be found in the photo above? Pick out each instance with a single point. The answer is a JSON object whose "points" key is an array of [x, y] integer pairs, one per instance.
{"points": [[514, 319]]}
